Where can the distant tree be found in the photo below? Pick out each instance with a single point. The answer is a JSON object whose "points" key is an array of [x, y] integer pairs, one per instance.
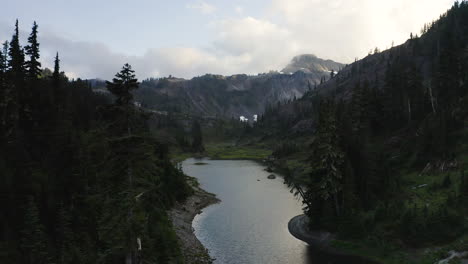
{"points": [[32, 50], [3, 96], [20, 97], [16, 55], [123, 84], [56, 72], [197, 138]]}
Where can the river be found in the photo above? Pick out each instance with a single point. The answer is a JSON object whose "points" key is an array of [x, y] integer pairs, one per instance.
{"points": [[250, 224]]}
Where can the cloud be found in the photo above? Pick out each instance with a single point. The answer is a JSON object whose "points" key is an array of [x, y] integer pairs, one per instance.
{"points": [[335, 29], [242, 45], [342, 30], [239, 10], [202, 6], [263, 44]]}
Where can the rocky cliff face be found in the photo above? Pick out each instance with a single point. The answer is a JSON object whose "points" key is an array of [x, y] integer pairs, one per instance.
{"points": [[309, 63], [236, 95]]}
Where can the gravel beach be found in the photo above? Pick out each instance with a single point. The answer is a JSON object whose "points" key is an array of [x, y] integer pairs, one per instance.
{"points": [[182, 215]]}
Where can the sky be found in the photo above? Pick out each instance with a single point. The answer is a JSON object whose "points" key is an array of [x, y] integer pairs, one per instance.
{"points": [[187, 38]]}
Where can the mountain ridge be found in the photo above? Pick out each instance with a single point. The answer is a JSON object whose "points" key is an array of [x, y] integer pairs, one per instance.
{"points": [[236, 95]]}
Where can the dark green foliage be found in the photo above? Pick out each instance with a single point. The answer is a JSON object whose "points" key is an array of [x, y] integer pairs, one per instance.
{"points": [[327, 158], [33, 239], [82, 180], [197, 139], [285, 149], [16, 61], [123, 84], [32, 50], [447, 181], [399, 130]]}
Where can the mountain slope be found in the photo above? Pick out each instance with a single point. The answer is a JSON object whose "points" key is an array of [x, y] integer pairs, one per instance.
{"points": [[310, 63], [381, 147], [232, 96]]}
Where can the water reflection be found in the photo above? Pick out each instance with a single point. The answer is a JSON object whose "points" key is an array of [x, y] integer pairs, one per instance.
{"points": [[249, 226]]}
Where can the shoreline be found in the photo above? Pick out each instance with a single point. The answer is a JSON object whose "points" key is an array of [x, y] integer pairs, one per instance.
{"points": [[324, 241], [182, 215]]}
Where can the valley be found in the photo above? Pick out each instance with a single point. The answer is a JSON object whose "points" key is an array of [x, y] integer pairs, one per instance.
{"points": [[315, 161]]}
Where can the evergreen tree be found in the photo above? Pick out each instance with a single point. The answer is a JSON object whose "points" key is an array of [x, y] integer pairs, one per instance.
{"points": [[327, 158], [56, 93], [20, 97], [16, 53], [66, 246], [122, 86], [56, 72], [34, 240], [3, 93], [32, 50], [197, 138], [131, 168]]}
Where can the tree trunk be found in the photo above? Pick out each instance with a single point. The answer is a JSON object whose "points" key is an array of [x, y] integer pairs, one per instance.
{"points": [[337, 206], [128, 258], [432, 99], [409, 110]]}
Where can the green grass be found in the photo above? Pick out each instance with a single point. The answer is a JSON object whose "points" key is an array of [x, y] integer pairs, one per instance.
{"points": [[433, 193], [227, 151], [388, 254], [178, 156]]}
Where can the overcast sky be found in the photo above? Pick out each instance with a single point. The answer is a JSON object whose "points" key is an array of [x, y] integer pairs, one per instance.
{"points": [[187, 38]]}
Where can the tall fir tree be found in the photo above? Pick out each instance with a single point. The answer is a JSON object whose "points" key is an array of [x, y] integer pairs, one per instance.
{"points": [[123, 84], [56, 94], [32, 50], [20, 95], [16, 55], [197, 138], [327, 159], [56, 72]]}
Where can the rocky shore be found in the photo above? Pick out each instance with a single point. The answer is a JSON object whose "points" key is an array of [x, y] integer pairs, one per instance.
{"points": [[298, 227], [182, 215]]}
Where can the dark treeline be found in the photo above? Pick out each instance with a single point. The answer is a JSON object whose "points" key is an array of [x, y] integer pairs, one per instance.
{"points": [[398, 113], [82, 178]]}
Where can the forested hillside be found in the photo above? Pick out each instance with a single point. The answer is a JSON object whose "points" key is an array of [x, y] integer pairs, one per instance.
{"points": [[82, 179], [237, 95], [379, 151]]}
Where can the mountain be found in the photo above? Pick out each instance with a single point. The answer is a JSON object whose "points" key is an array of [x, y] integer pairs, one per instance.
{"points": [[236, 95], [385, 137], [309, 63]]}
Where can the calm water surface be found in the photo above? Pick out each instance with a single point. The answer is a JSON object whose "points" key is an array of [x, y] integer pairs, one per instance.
{"points": [[250, 224]]}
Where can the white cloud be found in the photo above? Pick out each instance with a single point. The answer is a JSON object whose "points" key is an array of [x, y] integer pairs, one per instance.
{"points": [[336, 29], [203, 7], [264, 45], [239, 10], [244, 45], [343, 30]]}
